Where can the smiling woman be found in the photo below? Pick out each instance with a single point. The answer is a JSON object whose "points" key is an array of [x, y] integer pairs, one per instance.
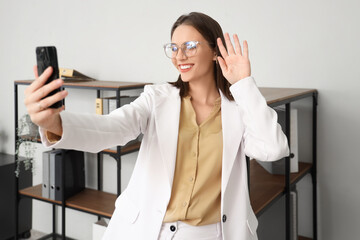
{"points": [[205, 28], [190, 179]]}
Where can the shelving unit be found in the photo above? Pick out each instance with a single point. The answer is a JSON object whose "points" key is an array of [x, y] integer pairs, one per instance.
{"points": [[265, 188], [90, 201]]}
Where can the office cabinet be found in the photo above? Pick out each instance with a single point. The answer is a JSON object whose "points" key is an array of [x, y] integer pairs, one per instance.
{"points": [[7, 199]]}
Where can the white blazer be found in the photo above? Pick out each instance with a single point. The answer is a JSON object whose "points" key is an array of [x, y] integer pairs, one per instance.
{"points": [[249, 128]]}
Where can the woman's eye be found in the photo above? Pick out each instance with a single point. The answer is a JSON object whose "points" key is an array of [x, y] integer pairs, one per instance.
{"points": [[190, 45]]}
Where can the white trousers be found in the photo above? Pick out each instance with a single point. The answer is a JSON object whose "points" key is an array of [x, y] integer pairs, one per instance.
{"points": [[182, 231]]}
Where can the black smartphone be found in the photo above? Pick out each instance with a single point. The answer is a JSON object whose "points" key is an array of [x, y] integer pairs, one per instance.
{"points": [[46, 57]]}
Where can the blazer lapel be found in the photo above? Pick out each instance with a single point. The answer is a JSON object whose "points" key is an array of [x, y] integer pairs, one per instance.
{"points": [[232, 135], [167, 117]]}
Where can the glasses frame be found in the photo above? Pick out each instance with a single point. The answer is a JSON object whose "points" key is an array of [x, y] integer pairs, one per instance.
{"points": [[182, 47]]}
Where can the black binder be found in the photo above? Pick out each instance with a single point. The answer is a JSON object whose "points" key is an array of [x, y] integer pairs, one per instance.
{"points": [[74, 173]]}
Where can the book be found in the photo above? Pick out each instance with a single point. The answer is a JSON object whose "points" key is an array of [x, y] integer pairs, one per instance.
{"points": [[123, 101], [106, 105], [294, 215], [74, 173], [68, 74], [99, 106], [46, 174], [52, 169]]}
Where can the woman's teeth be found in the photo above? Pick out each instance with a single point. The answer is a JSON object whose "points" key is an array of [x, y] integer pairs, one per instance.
{"points": [[185, 66]]}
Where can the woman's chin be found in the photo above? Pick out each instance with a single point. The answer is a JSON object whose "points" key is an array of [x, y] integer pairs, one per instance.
{"points": [[185, 79]]}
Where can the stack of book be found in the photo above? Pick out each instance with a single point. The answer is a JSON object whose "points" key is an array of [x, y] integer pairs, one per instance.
{"points": [[53, 173], [71, 75], [108, 104]]}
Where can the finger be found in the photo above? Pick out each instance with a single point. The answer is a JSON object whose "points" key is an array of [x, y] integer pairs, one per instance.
{"points": [[229, 45], [42, 105], [46, 89], [246, 49], [222, 48], [222, 64], [42, 116], [39, 81], [237, 44], [35, 71], [49, 101], [43, 91]]}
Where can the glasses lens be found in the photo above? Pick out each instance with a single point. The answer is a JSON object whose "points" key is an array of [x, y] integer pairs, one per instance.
{"points": [[170, 50], [190, 48]]}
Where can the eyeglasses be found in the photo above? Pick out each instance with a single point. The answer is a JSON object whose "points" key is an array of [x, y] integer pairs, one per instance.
{"points": [[188, 48]]}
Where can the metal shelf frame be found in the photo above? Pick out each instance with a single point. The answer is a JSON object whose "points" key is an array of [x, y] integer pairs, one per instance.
{"points": [[313, 171]]}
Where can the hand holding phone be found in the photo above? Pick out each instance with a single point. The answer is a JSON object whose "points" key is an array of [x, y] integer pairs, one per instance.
{"points": [[46, 57], [45, 111]]}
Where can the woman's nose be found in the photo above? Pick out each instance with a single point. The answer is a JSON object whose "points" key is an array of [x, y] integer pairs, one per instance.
{"points": [[181, 54]]}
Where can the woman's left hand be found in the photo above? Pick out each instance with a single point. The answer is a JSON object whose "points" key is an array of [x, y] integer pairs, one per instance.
{"points": [[234, 64]]}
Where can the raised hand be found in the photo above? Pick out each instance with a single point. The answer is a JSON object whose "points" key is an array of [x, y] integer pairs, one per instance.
{"points": [[38, 106], [234, 63]]}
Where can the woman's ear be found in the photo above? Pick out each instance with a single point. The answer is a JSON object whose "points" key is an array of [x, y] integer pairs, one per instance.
{"points": [[215, 56]]}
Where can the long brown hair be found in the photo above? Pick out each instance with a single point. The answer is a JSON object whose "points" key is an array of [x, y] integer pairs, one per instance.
{"points": [[210, 30]]}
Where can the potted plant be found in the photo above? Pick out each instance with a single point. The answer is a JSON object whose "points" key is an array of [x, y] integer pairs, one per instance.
{"points": [[27, 134]]}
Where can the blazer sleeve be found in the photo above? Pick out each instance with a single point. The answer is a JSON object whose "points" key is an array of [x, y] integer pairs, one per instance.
{"points": [[93, 133], [263, 137]]}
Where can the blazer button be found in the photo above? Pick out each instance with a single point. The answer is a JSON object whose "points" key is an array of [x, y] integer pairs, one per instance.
{"points": [[172, 228], [224, 218]]}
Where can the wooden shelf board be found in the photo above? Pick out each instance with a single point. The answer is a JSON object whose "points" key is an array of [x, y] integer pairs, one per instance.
{"points": [[125, 149], [266, 187], [273, 95], [30, 138], [304, 238], [95, 84], [36, 192], [89, 200], [93, 201]]}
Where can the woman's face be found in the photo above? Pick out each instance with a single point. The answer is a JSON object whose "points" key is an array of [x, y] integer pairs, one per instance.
{"points": [[199, 67]]}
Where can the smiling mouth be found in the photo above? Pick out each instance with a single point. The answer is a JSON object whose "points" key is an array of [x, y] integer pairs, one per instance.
{"points": [[185, 67]]}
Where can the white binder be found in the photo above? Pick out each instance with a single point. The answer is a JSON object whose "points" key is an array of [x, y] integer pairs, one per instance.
{"points": [[46, 175], [52, 169]]}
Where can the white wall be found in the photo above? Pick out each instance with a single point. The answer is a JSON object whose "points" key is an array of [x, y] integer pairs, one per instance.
{"points": [[306, 44]]}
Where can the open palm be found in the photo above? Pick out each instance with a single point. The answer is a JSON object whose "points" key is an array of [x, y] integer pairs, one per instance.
{"points": [[234, 64]]}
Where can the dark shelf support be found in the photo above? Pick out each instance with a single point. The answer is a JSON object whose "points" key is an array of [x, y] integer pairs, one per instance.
{"points": [[314, 167], [63, 236], [118, 157], [54, 219], [99, 173], [287, 175], [16, 165], [248, 172]]}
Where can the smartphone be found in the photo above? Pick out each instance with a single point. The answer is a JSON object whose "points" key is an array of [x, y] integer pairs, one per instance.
{"points": [[45, 57]]}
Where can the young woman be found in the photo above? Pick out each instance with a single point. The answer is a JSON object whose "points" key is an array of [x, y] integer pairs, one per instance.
{"points": [[190, 178]]}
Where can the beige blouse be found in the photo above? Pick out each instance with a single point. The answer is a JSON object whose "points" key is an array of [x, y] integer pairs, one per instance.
{"points": [[196, 190]]}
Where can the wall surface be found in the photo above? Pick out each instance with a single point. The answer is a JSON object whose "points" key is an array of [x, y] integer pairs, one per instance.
{"points": [[305, 44]]}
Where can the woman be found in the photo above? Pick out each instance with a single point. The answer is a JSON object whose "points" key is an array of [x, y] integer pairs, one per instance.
{"points": [[190, 178]]}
